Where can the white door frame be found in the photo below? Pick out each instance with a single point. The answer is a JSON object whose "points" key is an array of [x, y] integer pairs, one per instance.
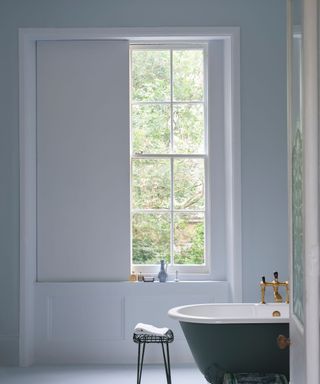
{"points": [[311, 187]]}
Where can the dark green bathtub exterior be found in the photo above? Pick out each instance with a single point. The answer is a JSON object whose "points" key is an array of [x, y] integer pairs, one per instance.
{"points": [[234, 348]]}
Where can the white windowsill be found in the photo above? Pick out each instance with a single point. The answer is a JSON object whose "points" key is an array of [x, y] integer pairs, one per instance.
{"points": [[156, 282]]}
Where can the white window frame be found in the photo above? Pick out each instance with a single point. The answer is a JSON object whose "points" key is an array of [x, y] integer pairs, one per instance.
{"points": [[204, 268], [229, 257]]}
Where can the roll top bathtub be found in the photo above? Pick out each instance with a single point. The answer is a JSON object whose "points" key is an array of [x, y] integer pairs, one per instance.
{"points": [[235, 337]]}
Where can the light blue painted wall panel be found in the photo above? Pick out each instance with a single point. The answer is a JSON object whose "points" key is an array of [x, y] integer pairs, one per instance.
{"points": [[263, 118]]}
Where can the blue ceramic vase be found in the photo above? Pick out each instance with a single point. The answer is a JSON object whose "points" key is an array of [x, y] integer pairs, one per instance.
{"points": [[162, 275]]}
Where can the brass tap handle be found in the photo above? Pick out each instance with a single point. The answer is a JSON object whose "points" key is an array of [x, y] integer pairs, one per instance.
{"points": [[263, 289], [283, 342], [287, 292], [275, 284]]}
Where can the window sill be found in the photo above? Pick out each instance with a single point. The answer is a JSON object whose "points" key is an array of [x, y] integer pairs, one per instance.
{"points": [[217, 290], [156, 282]]}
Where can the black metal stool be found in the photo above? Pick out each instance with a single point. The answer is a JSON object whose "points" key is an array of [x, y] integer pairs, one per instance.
{"points": [[146, 338]]}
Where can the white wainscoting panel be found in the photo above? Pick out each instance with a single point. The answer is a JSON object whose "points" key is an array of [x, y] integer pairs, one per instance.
{"points": [[92, 323], [84, 317]]}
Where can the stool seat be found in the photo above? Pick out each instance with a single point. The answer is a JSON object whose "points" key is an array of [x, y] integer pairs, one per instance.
{"points": [[150, 338], [142, 338]]}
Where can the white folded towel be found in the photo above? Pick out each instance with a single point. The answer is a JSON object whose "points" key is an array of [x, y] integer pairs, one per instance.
{"points": [[150, 329]]}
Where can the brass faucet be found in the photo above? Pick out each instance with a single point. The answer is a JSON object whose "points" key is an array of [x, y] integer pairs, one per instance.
{"points": [[275, 284]]}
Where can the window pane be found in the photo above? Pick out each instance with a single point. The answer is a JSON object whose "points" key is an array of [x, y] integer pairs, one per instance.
{"points": [[150, 238], [151, 183], [189, 189], [188, 75], [189, 238], [150, 128], [188, 128], [150, 75], [168, 190]]}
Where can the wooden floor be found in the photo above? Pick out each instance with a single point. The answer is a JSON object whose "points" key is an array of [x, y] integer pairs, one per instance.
{"points": [[98, 375]]}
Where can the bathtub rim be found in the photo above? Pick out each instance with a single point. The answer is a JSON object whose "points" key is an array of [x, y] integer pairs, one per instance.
{"points": [[177, 313]]}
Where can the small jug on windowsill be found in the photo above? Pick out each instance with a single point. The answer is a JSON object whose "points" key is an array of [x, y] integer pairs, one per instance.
{"points": [[162, 275]]}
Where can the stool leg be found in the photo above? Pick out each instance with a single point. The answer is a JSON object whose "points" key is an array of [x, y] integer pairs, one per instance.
{"points": [[166, 360], [140, 361]]}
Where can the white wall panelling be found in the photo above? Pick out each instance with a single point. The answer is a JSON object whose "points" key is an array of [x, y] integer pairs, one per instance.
{"points": [[93, 322], [83, 316]]}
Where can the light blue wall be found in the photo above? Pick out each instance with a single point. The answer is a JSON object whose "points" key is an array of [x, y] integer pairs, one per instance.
{"points": [[263, 121]]}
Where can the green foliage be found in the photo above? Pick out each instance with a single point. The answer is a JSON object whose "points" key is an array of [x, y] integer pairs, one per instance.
{"points": [[188, 75], [150, 238], [166, 121], [188, 128], [150, 128], [188, 184], [150, 75], [189, 241], [151, 183]]}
